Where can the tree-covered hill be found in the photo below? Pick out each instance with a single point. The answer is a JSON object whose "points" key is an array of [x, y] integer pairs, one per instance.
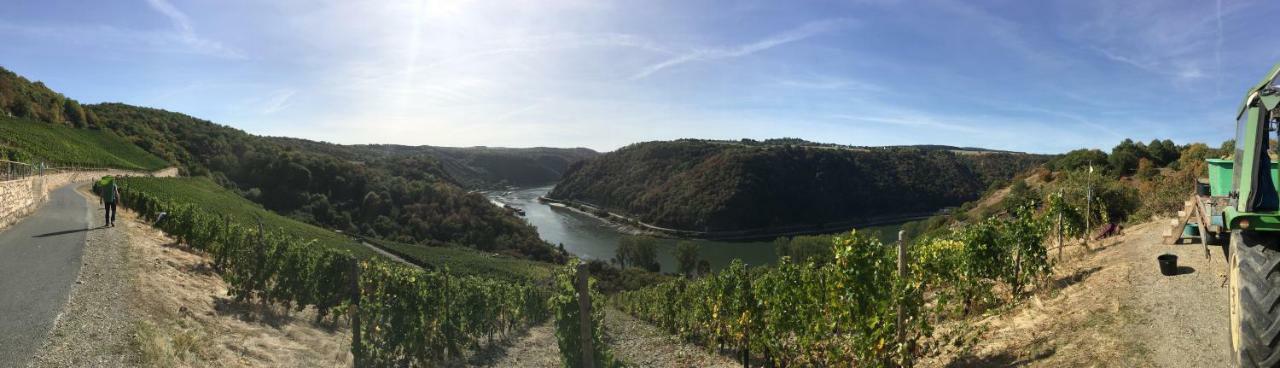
{"points": [[726, 186], [404, 198], [489, 167]]}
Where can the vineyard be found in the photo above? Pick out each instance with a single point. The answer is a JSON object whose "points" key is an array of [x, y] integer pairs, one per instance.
{"points": [[856, 308], [57, 146], [466, 261], [401, 315], [210, 199]]}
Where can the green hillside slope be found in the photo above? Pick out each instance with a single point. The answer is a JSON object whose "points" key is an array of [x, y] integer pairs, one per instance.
{"points": [[408, 199], [404, 198], [729, 186], [56, 145], [212, 198]]}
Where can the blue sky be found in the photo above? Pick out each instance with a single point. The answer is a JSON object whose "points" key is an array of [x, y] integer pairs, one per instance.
{"points": [[1037, 76]]}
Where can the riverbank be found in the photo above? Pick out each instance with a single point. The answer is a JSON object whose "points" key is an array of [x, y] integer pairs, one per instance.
{"points": [[636, 227]]}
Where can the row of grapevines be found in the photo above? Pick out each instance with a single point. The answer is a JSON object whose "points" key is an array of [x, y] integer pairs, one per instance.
{"points": [[265, 265], [840, 313], [564, 303], [963, 268], [844, 312], [410, 317]]}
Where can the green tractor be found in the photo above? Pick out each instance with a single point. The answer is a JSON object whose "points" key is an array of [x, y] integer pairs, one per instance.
{"points": [[1248, 206]]}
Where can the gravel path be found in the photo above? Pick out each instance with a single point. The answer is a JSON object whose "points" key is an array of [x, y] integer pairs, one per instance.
{"points": [[95, 327], [1109, 306], [643, 345], [536, 348]]}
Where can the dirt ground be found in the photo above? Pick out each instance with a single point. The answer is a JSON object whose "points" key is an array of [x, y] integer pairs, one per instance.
{"points": [[187, 320], [1107, 306]]}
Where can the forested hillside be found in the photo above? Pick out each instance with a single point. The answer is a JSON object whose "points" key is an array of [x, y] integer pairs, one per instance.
{"points": [[22, 98], [405, 198], [723, 186], [491, 167]]}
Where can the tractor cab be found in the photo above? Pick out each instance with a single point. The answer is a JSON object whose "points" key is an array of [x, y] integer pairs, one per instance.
{"points": [[1255, 200]]}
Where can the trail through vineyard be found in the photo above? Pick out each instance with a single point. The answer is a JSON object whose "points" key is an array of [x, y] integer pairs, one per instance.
{"points": [[634, 342], [1111, 307]]}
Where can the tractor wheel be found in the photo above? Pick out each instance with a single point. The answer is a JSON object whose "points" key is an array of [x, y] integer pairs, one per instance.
{"points": [[1255, 296]]}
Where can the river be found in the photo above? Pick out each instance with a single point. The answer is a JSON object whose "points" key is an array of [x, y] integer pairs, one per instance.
{"points": [[592, 238]]}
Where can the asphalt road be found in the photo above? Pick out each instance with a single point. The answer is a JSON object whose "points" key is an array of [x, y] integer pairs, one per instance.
{"points": [[39, 262]]}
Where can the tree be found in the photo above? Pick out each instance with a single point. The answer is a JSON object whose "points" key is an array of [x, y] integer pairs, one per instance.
{"points": [[1124, 157], [686, 257], [1079, 159], [638, 251], [1228, 147], [1161, 152], [1146, 169]]}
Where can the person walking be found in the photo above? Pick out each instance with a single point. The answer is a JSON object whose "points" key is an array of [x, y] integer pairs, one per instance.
{"points": [[110, 195]]}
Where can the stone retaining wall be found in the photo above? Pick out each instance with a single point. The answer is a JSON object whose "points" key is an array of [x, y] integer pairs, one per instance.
{"points": [[19, 198]]}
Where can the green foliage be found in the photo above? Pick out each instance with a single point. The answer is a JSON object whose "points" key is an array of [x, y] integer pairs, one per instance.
{"points": [[686, 257], [723, 186], [490, 167], [638, 251], [1113, 200], [206, 195], [1127, 156], [469, 262], [1020, 194], [836, 314], [22, 98], [273, 264], [35, 142], [611, 280], [564, 304], [411, 317], [1162, 152], [843, 312], [406, 198], [804, 248], [1079, 159]]}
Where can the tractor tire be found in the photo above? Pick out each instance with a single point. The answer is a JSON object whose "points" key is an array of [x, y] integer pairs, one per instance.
{"points": [[1255, 299]]}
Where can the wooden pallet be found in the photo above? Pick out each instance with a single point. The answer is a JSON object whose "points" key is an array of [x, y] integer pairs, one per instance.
{"points": [[1194, 210]]}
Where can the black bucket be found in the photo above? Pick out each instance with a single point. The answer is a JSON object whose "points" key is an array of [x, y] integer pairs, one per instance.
{"points": [[1168, 264]]}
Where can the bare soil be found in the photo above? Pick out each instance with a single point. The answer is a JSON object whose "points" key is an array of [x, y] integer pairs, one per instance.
{"points": [[1105, 306], [187, 319]]}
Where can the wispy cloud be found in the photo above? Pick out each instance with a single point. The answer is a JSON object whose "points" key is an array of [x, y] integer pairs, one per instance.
{"points": [[186, 35], [916, 121], [704, 54], [1181, 43], [278, 100], [829, 83]]}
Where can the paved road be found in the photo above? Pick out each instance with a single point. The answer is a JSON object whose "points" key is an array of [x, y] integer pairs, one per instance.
{"points": [[39, 262]]}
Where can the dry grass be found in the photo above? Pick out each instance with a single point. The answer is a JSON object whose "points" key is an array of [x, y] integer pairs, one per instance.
{"points": [[188, 320], [1104, 306]]}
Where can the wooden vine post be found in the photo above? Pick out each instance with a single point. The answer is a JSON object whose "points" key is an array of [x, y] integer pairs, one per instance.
{"points": [[357, 348], [746, 330], [1061, 202], [584, 317], [902, 275]]}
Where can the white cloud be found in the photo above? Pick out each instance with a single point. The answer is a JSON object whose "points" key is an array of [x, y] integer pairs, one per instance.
{"points": [[186, 35], [276, 101], [704, 54]]}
